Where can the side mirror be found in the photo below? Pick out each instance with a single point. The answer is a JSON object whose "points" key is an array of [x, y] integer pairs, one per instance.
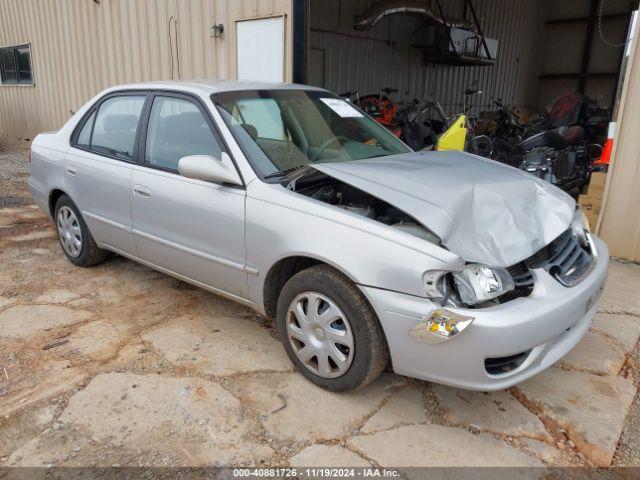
{"points": [[209, 169]]}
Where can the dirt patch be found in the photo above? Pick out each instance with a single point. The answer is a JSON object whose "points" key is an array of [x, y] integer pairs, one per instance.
{"points": [[14, 170]]}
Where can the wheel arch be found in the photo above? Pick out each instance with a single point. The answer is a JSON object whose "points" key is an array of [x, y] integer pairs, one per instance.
{"points": [[54, 195], [285, 268]]}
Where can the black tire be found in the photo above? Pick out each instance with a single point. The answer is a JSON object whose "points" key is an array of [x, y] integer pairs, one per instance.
{"points": [[371, 354], [90, 253]]}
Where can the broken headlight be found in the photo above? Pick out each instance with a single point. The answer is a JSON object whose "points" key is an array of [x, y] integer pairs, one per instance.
{"points": [[473, 285], [478, 283], [580, 227]]}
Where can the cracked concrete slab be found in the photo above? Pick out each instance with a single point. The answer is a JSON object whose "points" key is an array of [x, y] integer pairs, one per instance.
{"points": [[591, 409], [32, 386], [549, 454], [276, 413], [438, 446], [404, 407], [57, 296], [218, 346], [624, 329], [496, 412], [24, 320], [595, 354], [277, 399], [152, 414], [323, 456], [98, 340], [621, 290]]}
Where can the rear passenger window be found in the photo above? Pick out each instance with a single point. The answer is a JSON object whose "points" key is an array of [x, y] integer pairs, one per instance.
{"points": [[177, 129], [112, 129]]}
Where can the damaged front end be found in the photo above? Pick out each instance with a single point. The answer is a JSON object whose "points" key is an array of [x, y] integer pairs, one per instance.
{"points": [[324, 188], [499, 228]]}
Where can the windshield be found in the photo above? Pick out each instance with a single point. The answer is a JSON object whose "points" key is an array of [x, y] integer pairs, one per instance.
{"points": [[281, 130]]}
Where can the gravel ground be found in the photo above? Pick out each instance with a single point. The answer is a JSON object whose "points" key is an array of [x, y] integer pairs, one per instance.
{"points": [[14, 170]]}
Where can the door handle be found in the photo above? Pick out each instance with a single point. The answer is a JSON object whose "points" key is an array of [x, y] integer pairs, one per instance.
{"points": [[141, 191], [71, 171]]}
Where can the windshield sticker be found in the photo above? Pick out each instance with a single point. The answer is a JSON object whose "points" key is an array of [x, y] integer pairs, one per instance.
{"points": [[341, 107]]}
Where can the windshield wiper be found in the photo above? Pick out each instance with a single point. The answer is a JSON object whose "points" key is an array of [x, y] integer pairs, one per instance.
{"points": [[284, 173]]}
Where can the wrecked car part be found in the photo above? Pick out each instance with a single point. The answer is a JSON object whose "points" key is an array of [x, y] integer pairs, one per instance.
{"points": [[479, 209], [452, 288], [326, 189], [480, 283], [440, 326], [382, 9], [566, 258]]}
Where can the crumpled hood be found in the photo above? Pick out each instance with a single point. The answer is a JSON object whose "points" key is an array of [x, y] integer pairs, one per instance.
{"points": [[482, 210]]}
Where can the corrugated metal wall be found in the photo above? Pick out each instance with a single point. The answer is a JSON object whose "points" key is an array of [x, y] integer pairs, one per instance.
{"points": [[79, 47], [383, 57]]}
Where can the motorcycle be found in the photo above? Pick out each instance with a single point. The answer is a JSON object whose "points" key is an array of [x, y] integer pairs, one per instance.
{"points": [[422, 130], [564, 147]]}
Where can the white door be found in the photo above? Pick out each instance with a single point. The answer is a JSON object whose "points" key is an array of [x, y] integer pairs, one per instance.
{"points": [[260, 49]]}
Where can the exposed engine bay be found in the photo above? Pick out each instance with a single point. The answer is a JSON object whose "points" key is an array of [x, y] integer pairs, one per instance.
{"points": [[326, 189]]}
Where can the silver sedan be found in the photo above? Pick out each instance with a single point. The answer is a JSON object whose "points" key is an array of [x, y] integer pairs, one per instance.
{"points": [[447, 267]]}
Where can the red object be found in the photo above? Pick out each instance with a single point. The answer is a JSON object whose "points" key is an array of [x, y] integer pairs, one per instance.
{"points": [[605, 158]]}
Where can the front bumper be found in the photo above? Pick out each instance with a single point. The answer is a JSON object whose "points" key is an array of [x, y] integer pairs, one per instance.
{"points": [[547, 324]]}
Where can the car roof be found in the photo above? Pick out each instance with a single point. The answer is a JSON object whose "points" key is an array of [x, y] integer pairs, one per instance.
{"points": [[208, 87]]}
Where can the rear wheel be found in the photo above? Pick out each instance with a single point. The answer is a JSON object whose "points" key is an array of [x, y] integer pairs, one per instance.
{"points": [[75, 239], [329, 330]]}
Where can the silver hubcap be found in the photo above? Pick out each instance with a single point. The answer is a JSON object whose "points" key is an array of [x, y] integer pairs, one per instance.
{"points": [[69, 231], [320, 335]]}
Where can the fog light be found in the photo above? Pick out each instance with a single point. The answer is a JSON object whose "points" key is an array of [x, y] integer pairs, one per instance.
{"points": [[440, 326]]}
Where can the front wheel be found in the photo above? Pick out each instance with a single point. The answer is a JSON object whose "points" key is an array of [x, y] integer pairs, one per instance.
{"points": [[329, 330]]}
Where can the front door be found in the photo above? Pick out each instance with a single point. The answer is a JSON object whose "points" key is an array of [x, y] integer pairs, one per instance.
{"points": [[188, 227]]}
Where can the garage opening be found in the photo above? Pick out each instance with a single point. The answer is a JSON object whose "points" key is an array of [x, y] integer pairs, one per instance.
{"points": [[528, 83]]}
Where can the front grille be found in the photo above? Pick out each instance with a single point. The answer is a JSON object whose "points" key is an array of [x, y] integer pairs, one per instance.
{"points": [[566, 259], [523, 278]]}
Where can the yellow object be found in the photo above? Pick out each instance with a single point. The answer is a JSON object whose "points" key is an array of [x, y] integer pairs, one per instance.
{"points": [[455, 137]]}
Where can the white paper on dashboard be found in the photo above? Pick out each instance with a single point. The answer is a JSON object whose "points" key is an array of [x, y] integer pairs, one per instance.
{"points": [[341, 107]]}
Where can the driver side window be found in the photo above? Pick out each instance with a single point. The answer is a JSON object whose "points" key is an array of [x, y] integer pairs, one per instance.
{"points": [[177, 128]]}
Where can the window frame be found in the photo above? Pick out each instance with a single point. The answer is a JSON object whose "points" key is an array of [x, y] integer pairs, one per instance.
{"points": [[213, 126], [95, 108], [143, 123], [14, 50]]}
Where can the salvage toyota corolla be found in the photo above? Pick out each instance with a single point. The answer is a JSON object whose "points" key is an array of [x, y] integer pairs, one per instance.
{"points": [[450, 267]]}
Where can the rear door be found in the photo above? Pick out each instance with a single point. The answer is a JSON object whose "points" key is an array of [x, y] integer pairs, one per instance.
{"points": [[188, 227], [98, 168]]}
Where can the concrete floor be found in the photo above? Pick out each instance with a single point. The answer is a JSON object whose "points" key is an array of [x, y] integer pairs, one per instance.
{"points": [[121, 365]]}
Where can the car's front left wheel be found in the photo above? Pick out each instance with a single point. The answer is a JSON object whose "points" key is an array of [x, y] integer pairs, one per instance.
{"points": [[73, 234], [330, 331]]}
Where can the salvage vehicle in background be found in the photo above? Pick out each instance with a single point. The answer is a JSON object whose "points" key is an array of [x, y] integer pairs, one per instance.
{"points": [[560, 146], [288, 199]]}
